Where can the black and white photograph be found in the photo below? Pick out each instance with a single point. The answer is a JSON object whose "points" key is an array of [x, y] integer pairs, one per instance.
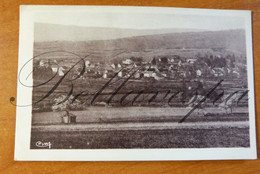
{"points": [[134, 83]]}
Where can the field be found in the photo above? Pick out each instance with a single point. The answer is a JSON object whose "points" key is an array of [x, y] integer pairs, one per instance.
{"points": [[142, 127], [142, 114], [169, 138]]}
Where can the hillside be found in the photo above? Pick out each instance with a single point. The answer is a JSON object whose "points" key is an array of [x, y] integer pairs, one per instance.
{"points": [[233, 40]]}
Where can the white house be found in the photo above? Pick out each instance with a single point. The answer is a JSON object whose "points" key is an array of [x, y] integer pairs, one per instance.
{"points": [[137, 75], [153, 74], [113, 66], [198, 72], [120, 74], [60, 71], [146, 75], [43, 63], [157, 78], [179, 63], [150, 74], [54, 69], [127, 61], [87, 63], [164, 75], [228, 70], [191, 61], [236, 72]]}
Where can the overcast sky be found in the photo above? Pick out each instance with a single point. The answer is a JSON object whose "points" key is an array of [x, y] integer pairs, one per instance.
{"points": [[138, 20]]}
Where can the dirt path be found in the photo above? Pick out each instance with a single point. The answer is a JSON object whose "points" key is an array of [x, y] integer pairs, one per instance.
{"points": [[138, 126]]}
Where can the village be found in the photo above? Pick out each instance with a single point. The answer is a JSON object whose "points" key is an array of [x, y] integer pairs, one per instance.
{"points": [[164, 74], [172, 67]]}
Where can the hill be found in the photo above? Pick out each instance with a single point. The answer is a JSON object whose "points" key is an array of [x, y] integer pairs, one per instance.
{"points": [[232, 40]]}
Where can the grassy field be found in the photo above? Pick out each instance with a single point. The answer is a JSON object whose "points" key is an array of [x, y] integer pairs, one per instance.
{"points": [[177, 138], [142, 127], [141, 114]]}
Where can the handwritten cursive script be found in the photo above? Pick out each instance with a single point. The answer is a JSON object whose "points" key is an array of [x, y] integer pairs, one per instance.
{"points": [[120, 88]]}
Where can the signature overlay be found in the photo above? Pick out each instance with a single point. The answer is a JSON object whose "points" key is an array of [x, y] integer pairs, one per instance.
{"points": [[43, 144], [215, 91]]}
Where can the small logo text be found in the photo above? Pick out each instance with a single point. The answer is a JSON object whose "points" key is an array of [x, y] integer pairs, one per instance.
{"points": [[43, 144]]}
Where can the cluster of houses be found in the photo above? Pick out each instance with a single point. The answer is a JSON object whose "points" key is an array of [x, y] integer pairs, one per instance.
{"points": [[164, 67]]}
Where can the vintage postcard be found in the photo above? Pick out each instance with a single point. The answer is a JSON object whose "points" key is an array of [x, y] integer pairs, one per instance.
{"points": [[110, 83]]}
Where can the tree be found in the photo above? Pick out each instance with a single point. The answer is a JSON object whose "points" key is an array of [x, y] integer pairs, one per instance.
{"points": [[153, 61], [62, 103]]}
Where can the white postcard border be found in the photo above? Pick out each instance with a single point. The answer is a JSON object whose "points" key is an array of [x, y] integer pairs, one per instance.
{"points": [[24, 95]]}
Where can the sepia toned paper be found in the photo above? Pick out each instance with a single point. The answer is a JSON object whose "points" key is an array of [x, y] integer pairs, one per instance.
{"points": [[100, 83]]}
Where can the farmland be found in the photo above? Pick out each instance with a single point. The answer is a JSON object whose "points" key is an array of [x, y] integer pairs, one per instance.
{"points": [[161, 138], [142, 127]]}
